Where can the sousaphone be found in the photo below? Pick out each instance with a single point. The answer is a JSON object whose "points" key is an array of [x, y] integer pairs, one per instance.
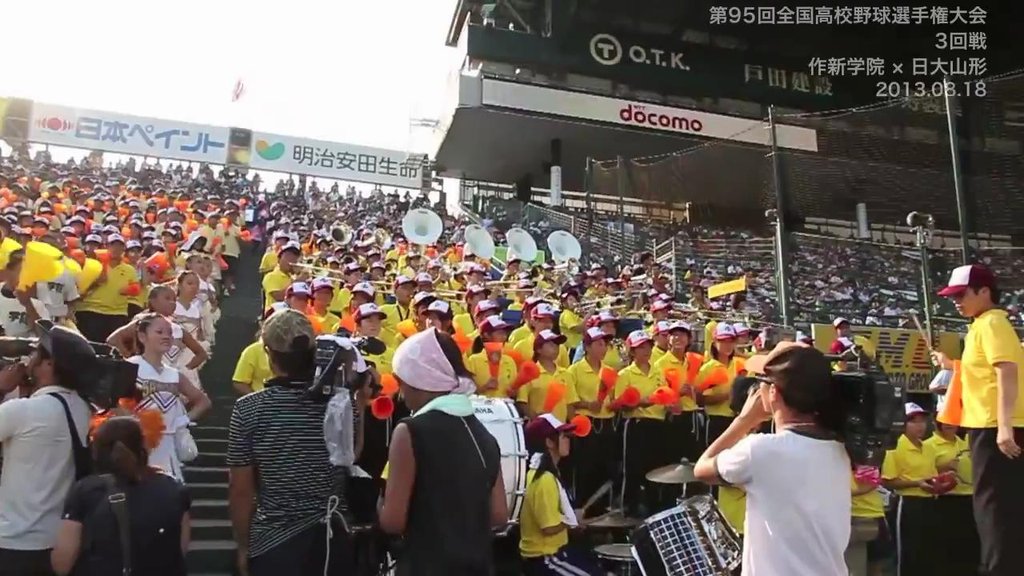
{"points": [[521, 244], [422, 227], [479, 242]]}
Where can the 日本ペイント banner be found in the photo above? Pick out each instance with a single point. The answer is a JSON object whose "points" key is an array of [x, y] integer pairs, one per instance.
{"points": [[125, 134]]}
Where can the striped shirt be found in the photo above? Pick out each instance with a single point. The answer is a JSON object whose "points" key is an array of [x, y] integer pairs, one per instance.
{"points": [[281, 434]]}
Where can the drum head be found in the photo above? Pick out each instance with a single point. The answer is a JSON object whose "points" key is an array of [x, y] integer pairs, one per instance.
{"points": [[500, 417]]}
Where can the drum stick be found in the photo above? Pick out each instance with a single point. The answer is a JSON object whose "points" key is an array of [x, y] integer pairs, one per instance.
{"points": [[920, 330], [601, 493]]}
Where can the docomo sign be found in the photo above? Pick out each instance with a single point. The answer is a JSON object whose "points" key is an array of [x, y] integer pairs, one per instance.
{"points": [[607, 50], [637, 114]]}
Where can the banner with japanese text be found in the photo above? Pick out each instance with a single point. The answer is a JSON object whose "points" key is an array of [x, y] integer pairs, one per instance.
{"points": [[903, 353], [126, 134], [334, 160]]}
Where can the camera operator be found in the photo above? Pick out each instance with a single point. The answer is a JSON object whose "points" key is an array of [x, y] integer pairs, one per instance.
{"points": [[281, 475], [797, 480], [43, 435]]}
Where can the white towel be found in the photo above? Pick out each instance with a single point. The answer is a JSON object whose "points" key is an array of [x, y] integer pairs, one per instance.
{"points": [[565, 505]]}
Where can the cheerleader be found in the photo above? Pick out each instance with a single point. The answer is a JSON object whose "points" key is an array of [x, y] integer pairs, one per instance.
{"points": [[539, 395], [955, 508], [644, 431], [909, 470], [714, 382], [161, 387], [323, 294], [162, 300], [547, 515], [493, 371], [439, 315], [542, 318], [188, 312]]}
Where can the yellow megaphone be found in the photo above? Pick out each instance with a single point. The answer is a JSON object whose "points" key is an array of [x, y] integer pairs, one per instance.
{"points": [[43, 263], [74, 267], [6, 247], [91, 272]]}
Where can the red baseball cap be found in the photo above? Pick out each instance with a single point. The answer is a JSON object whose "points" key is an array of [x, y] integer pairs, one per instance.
{"points": [[545, 426], [970, 276]]}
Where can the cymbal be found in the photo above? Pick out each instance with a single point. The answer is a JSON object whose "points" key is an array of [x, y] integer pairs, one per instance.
{"points": [[613, 519], [672, 474]]}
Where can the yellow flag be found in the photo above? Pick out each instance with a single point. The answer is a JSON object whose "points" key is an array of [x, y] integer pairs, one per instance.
{"points": [[726, 288]]}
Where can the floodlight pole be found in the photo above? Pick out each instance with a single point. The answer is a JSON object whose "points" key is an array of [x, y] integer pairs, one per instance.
{"points": [[923, 237], [951, 104], [781, 246]]}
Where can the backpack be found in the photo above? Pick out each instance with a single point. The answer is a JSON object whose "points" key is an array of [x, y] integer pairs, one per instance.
{"points": [[80, 453]]}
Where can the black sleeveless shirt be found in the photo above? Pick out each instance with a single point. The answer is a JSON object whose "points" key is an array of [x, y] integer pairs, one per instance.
{"points": [[448, 532]]}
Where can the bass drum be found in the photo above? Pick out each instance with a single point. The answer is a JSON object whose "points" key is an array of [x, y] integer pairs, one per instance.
{"points": [[501, 419]]}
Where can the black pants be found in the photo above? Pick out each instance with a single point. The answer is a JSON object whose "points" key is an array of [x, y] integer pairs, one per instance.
{"points": [[998, 503], [134, 310], [643, 450], [715, 427], [917, 527], [684, 433], [232, 270], [25, 563], [958, 536], [97, 327], [305, 555], [594, 461]]}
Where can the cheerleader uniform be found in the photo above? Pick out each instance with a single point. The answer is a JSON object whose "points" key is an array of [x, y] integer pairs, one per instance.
{"points": [[190, 319], [159, 389]]}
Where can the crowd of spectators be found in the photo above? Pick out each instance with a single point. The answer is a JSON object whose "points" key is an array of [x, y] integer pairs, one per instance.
{"points": [[871, 283]]}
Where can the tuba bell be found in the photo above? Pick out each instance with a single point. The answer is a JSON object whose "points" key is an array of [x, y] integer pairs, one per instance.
{"points": [[343, 234]]}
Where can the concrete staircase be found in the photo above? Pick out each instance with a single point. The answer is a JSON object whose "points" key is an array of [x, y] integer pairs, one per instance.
{"points": [[213, 547]]}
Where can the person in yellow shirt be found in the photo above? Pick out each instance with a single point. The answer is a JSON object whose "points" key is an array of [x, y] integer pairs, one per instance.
{"points": [[252, 369], [645, 424], [732, 500], [493, 371], [230, 232], [399, 311], [992, 390], [595, 455], [909, 470], [104, 306], [607, 321], [269, 261], [439, 315], [659, 333], [323, 294], [524, 288], [535, 397], [867, 505], [526, 328], [547, 516], [959, 536], [369, 321], [683, 421], [714, 382], [570, 324], [137, 302], [276, 282], [542, 317], [463, 321], [352, 274], [484, 309]]}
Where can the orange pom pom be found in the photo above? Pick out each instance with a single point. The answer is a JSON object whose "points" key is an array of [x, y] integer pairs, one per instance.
{"points": [[718, 377], [583, 425], [462, 341], [664, 396], [630, 397], [132, 290], [152, 423], [382, 407], [493, 347], [407, 328], [388, 384], [516, 356], [555, 394], [528, 372], [609, 377], [674, 378], [318, 326]]}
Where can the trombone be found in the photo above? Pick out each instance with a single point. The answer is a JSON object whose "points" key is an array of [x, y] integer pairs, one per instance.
{"points": [[316, 269]]}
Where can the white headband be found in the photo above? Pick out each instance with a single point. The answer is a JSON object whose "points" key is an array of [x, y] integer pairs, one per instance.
{"points": [[420, 363]]}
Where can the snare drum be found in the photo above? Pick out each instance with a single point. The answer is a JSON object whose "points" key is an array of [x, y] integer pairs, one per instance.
{"points": [[616, 559], [500, 417]]}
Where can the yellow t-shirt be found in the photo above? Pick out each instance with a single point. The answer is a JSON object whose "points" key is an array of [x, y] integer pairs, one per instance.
{"points": [[732, 501], [274, 282], [269, 261], [541, 509], [229, 239], [339, 303], [946, 451], [909, 462], [868, 505], [569, 323], [712, 370], [687, 402], [329, 322], [389, 326], [464, 323], [382, 361], [534, 394], [507, 373], [253, 367], [520, 334], [989, 341], [657, 354], [106, 298], [646, 384], [586, 383]]}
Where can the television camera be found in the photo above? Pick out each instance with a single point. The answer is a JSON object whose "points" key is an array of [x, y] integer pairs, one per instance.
{"points": [[874, 406]]}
